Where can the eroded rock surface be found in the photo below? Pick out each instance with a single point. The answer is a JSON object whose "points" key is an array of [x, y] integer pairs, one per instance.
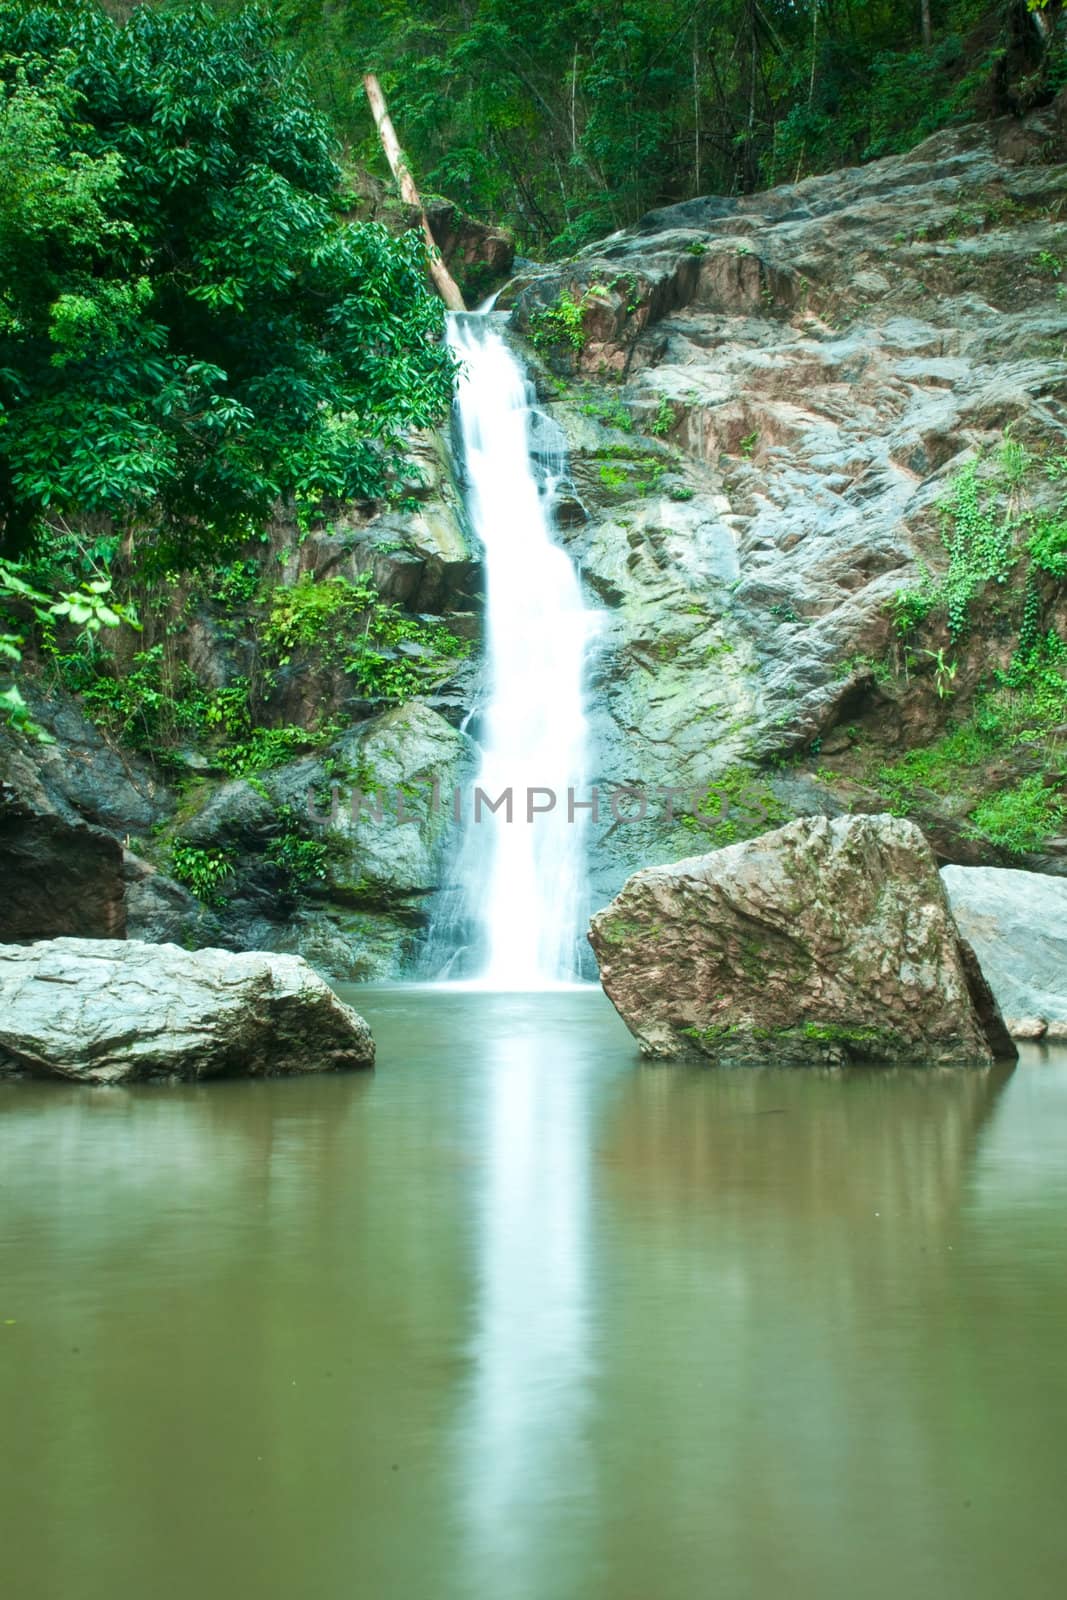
{"points": [[823, 941], [773, 394], [98, 1012]]}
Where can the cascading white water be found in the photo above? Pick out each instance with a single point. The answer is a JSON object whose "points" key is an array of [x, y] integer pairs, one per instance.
{"points": [[521, 883]]}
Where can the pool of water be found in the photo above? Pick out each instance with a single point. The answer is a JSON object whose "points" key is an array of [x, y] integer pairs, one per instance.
{"points": [[518, 1317]]}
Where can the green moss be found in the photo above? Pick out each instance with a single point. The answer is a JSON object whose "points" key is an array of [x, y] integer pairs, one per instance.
{"points": [[708, 1037], [737, 805], [864, 1043], [620, 931]]}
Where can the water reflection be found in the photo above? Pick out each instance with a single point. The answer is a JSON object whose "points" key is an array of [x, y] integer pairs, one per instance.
{"points": [[524, 1429], [519, 1317], [804, 1232]]}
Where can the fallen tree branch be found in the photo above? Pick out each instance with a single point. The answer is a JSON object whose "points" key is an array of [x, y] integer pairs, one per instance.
{"points": [[446, 285]]}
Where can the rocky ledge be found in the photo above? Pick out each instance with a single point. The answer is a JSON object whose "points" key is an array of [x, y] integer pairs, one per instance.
{"points": [[827, 941], [103, 1012]]}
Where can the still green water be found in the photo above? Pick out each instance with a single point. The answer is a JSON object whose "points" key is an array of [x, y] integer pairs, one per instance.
{"points": [[520, 1318]]}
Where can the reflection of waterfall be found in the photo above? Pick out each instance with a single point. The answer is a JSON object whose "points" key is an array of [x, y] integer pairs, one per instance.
{"points": [[517, 906], [528, 1416]]}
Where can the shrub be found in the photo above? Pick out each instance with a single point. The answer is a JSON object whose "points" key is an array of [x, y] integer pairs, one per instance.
{"points": [[203, 871]]}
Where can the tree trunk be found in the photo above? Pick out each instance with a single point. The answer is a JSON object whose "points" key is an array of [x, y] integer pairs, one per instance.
{"points": [[443, 279], [928, 32], [696, 111]]}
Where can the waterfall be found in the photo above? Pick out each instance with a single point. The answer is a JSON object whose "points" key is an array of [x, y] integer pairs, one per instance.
{"points": [[518, 901]]}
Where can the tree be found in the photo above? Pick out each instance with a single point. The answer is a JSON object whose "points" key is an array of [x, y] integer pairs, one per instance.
{"points": [[188, 328]]}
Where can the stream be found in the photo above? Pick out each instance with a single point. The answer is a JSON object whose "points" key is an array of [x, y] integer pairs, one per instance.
{"points": [[518, 1317]]}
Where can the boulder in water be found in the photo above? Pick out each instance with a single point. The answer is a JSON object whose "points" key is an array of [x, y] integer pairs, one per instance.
{"points": [[1017, 923], [102, 1012], [826, 941]]}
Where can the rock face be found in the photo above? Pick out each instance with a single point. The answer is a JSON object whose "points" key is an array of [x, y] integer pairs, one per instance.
{"points": [[375, 806], [61, 807], [1017, 925], [773, 394], [824, 941], [57, 878], [104, 1013]]}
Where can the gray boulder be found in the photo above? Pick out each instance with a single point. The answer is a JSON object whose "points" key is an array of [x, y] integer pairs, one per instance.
{"points": [[1017, 924], [829, 940], [105, 1013]]}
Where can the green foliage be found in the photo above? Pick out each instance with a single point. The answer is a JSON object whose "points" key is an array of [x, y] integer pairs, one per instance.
{"points": [[1025, 705], [203, 871], [911, 607], [610, 411], [302, 861], [979, 536], [944, 672], [151, 703], [390, 654], [265, 748], [663, 421], [558, 326], [567, 119], [1047, 545], [188, 330], [235, 585], [980, 524], [89, 608], [1021, 817]]}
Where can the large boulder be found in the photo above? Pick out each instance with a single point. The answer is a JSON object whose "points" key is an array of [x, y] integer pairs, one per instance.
{"points": [[98, 1012], [829, 940], [1017, 924]]}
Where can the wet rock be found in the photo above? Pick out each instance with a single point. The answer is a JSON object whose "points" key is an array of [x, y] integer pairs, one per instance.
{"points": [[79, 777], [161, 911], [58, 877], [105, 1013], [824, 941], [815, 362], [478, 254], [1026, 1027], [1017, 923], [375, 807]]}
